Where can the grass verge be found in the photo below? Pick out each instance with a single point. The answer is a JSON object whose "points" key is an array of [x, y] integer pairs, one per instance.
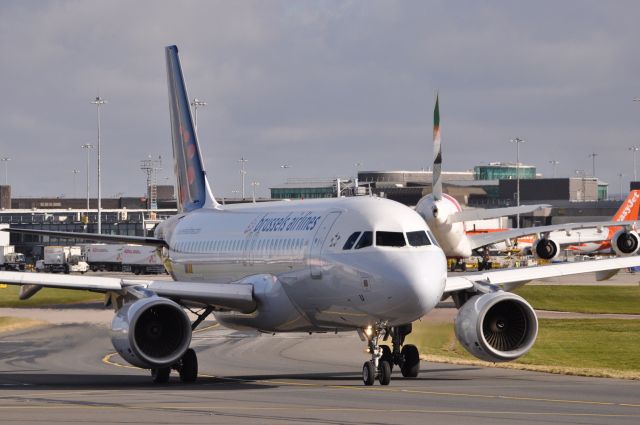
{"points": [[583, 299], [46, 296], [10, 324], [586, 347]]}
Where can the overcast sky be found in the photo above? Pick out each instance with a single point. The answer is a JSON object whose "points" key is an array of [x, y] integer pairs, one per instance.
{"points": [[318, 85]]}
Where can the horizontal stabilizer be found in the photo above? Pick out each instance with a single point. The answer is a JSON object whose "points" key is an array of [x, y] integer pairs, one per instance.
{"points": [[484, 214]]}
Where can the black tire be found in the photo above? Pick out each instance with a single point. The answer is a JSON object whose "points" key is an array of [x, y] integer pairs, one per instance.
{"points": [[386, 355], [368, 373], [384, 372], [411, 365], [160, 375], [189, 366]]}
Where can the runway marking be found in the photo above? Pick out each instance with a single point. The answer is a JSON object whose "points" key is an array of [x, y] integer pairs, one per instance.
{"points": [[288, 408], [107, 360]]}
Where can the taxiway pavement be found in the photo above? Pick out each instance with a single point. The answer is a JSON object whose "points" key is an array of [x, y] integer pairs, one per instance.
{"points": [[68, 374]]}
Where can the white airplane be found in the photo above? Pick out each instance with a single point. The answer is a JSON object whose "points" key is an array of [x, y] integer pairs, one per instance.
{"points": [[359, 264], [446, 218]]}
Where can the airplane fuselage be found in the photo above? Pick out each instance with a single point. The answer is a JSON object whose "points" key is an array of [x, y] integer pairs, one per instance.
{"points": [[304, 277]]}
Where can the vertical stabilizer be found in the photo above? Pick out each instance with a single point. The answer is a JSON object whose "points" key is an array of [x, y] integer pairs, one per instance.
{"points": [[437, 155], [193, 188], [628, 210]]}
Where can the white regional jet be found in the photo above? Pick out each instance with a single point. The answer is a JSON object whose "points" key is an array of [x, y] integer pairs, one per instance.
{"points": [[331, 265], [446, 218]]}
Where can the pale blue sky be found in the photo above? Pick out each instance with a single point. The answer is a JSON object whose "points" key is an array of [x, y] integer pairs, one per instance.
{"points": [[319, 85]]}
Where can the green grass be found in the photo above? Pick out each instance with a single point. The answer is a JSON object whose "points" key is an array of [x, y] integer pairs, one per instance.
{"points": [[46, 296], [583, 299], [568, 343]]}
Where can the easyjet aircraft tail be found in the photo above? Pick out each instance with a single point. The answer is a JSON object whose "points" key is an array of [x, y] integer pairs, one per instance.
{"points": [[193, 188], [629, 208]]}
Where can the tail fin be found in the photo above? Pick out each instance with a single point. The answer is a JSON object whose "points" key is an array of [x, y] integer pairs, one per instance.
{"points": [[628, 211], [193, 188], [437, 154]]}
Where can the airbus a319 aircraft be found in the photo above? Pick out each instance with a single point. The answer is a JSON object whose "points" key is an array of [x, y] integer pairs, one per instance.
{"points": [[446, 218], [359, 264]]}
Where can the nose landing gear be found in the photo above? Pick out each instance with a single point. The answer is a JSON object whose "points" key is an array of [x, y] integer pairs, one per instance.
{"points": [[383, 358]]}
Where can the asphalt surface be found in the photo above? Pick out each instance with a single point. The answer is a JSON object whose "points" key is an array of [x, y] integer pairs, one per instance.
{"points": [[68, 374]]}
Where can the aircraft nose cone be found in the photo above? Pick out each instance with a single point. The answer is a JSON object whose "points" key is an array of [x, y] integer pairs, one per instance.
{"points": [[418, 281]]}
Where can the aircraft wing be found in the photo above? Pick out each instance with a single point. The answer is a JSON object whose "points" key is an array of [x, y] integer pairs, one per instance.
{"points": [[510, 279], [138, 240], [233, 296], [485, 239], [483, 214]]}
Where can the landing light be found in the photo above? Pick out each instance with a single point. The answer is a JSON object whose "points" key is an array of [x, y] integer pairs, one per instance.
{"points": [[368, 331]]}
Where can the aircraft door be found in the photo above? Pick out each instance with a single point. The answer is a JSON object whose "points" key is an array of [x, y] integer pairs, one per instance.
{"points": [[315, 255]]}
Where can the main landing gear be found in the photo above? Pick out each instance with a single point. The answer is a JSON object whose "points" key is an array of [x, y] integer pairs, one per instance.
{"points": [[187, 367], [383, 358]]}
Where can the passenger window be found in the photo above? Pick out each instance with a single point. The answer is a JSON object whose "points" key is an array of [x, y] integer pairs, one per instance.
{"points": [[418, 238], [395, 239], [365, 240], [351, 240]]}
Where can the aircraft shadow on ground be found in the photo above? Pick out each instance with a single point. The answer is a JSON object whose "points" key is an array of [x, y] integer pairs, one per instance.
{"points": [[34, 379]]}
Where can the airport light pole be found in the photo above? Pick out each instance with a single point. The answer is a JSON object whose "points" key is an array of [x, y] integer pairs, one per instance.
{"points": [[635, 149], [196, 103], [242, 161], [593, 157], [6, 169], [88, 147], [75, 173], [517, 141], [555, 164], [620, 175], [98, 101], [253, 190]]}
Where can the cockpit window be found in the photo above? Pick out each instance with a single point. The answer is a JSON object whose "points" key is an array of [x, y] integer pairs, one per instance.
{"points": [[432, 238], [365, 240], [418, 238], [390, 239], [351, 241]]}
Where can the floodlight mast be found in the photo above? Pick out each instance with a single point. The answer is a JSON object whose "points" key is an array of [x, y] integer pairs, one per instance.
{"points": [[98, 101]]}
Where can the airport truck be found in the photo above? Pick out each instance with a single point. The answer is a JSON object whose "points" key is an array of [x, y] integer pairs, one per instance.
{"points": [[141, 259], [11, 260], [63, 259], [104, 257]]}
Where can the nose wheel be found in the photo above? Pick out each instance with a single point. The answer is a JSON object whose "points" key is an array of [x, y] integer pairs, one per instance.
{"points": [[383, 357]]}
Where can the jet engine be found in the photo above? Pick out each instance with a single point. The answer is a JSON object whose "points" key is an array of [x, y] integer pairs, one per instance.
{"points": [[496, 327], [151, 333], [625, 243], [545, 248]]}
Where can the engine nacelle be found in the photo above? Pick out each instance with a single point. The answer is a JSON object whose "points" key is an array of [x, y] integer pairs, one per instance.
{"points": [[545, 249], [497, 327], [151, 333], [625, 242]]}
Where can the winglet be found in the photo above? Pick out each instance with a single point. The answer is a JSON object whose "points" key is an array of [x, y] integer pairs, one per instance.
{"points": [[194, 190], [437, 155]]}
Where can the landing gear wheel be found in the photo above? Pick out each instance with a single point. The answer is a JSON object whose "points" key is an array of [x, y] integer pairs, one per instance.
{"points": [[189, 366], [368, 373], [384, 372], [411, 365], [160, 375], [386, 355]]}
